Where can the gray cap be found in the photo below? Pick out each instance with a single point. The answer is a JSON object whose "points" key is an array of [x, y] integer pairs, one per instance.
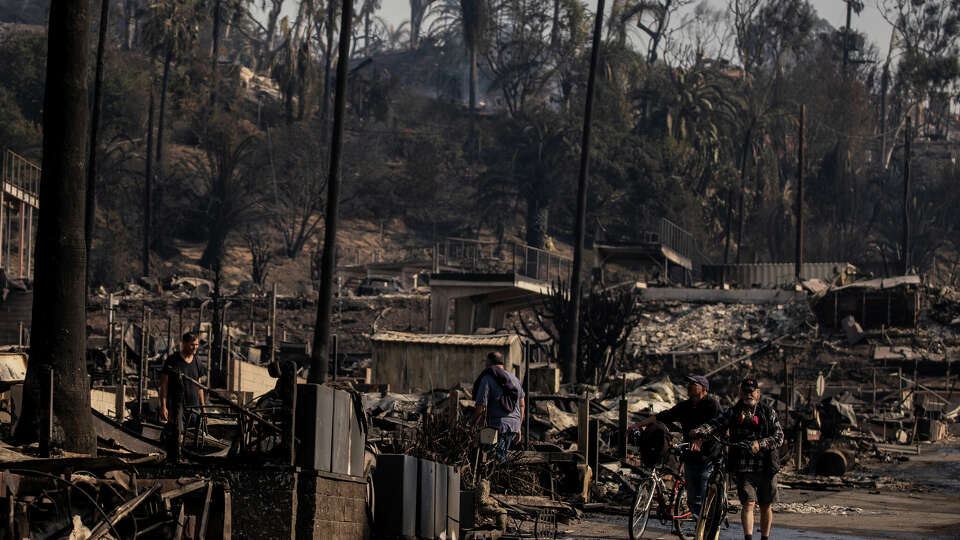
{"points": [[701, 380]]}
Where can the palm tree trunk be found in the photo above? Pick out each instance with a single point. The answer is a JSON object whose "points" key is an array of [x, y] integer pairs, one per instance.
{"points": [[555, 28], [740, 211], [148, 188], [91, 210], [366, 33], [743, 186], [328, 60], [161, 118], [727, 230], [474, 83], [215, 53], [58, 332], [130, 26], [267, 46], [414, 23]]}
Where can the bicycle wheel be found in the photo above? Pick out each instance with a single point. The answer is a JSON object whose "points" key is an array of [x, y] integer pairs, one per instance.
{"points": [[683, 524], [640, 510], [708, 528]]}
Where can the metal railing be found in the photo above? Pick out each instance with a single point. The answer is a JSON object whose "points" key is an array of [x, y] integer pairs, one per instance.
{"points": [[481, 256], [19, 199], [677, 239], [21, 178]]}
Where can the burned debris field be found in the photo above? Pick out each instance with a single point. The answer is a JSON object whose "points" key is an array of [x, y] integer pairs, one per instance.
{"points": [[479, 269]]}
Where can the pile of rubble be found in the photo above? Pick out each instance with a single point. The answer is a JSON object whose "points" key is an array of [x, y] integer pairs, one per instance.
{"points": [[731, 329]]}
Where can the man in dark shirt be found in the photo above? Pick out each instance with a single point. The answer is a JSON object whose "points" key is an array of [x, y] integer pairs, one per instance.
{"points": [[698, 409], [177, 394], [756, 423]]}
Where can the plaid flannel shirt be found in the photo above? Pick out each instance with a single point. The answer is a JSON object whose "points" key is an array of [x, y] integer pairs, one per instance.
{"points": [[762, 426]]}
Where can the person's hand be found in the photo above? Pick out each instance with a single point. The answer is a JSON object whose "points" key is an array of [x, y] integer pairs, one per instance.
{"points": [[163, 413], [518, 437], [754, 447], [696, 444]]}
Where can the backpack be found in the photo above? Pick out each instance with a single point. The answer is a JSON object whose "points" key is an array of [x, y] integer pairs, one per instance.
{"points": [[653, 444]]}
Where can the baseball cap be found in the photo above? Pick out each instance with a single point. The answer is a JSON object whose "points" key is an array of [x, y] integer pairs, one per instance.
{"points": [[749, 384], [701, 380]]}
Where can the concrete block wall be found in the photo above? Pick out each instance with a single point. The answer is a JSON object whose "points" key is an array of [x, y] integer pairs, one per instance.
{"points": [[332, 507], [285, 503]]}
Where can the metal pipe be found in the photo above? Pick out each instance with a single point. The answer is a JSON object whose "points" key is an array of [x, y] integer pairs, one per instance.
{"points": [[273, 324], [29, 240], [141, 370], [3, 228]]}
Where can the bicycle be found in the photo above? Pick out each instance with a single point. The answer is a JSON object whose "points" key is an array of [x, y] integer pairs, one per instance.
{"points": [[676, 510], [715, 500]]}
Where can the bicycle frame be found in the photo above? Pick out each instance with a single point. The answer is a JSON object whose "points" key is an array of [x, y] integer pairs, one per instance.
{"points": [[709, 526], [661, 490]]}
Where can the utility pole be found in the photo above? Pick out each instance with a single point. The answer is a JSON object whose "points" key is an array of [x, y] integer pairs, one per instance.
{"points": [[800, 172], [569, 347], [321, 336], [907, 136]]}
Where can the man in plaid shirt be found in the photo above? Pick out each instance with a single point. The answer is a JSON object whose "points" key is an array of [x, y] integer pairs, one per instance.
{"points": [[755, 469]]}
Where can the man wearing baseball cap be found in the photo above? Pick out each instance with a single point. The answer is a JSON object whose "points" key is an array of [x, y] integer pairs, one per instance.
{"points": [[698, 409], [755, 470]]}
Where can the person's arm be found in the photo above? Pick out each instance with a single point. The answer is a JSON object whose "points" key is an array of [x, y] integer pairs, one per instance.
{"points": [[163, 395], [775, 440], [645, 422], [712, 425], [480, 400], [523, 410], [668, 415]]}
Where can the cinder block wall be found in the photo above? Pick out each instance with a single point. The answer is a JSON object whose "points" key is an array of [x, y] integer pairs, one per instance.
{"points": [[332, 506], [285, 504]]}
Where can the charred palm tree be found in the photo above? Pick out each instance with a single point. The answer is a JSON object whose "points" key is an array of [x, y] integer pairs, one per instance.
{"points": [[58, 333]]}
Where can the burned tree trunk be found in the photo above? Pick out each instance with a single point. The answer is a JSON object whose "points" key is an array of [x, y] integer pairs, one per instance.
{"points": [[538, 219], [58, 334]]}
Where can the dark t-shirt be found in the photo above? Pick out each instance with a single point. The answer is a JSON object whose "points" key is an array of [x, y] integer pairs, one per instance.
{"points": [[692, 416], [175, 364]]}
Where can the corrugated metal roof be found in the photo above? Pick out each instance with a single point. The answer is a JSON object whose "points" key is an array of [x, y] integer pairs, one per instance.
{"points": [[490, 340], [774, 274]]}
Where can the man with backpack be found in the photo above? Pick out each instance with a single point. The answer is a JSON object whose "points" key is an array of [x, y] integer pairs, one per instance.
{"points": [[500, 403], [755, 469]]}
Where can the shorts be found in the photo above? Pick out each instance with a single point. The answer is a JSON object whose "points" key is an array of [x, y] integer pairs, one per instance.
{"points": [[760, 488]]}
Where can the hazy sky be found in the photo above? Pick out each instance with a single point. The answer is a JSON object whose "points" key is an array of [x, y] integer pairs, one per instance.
{"points": [[834, 11]]}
